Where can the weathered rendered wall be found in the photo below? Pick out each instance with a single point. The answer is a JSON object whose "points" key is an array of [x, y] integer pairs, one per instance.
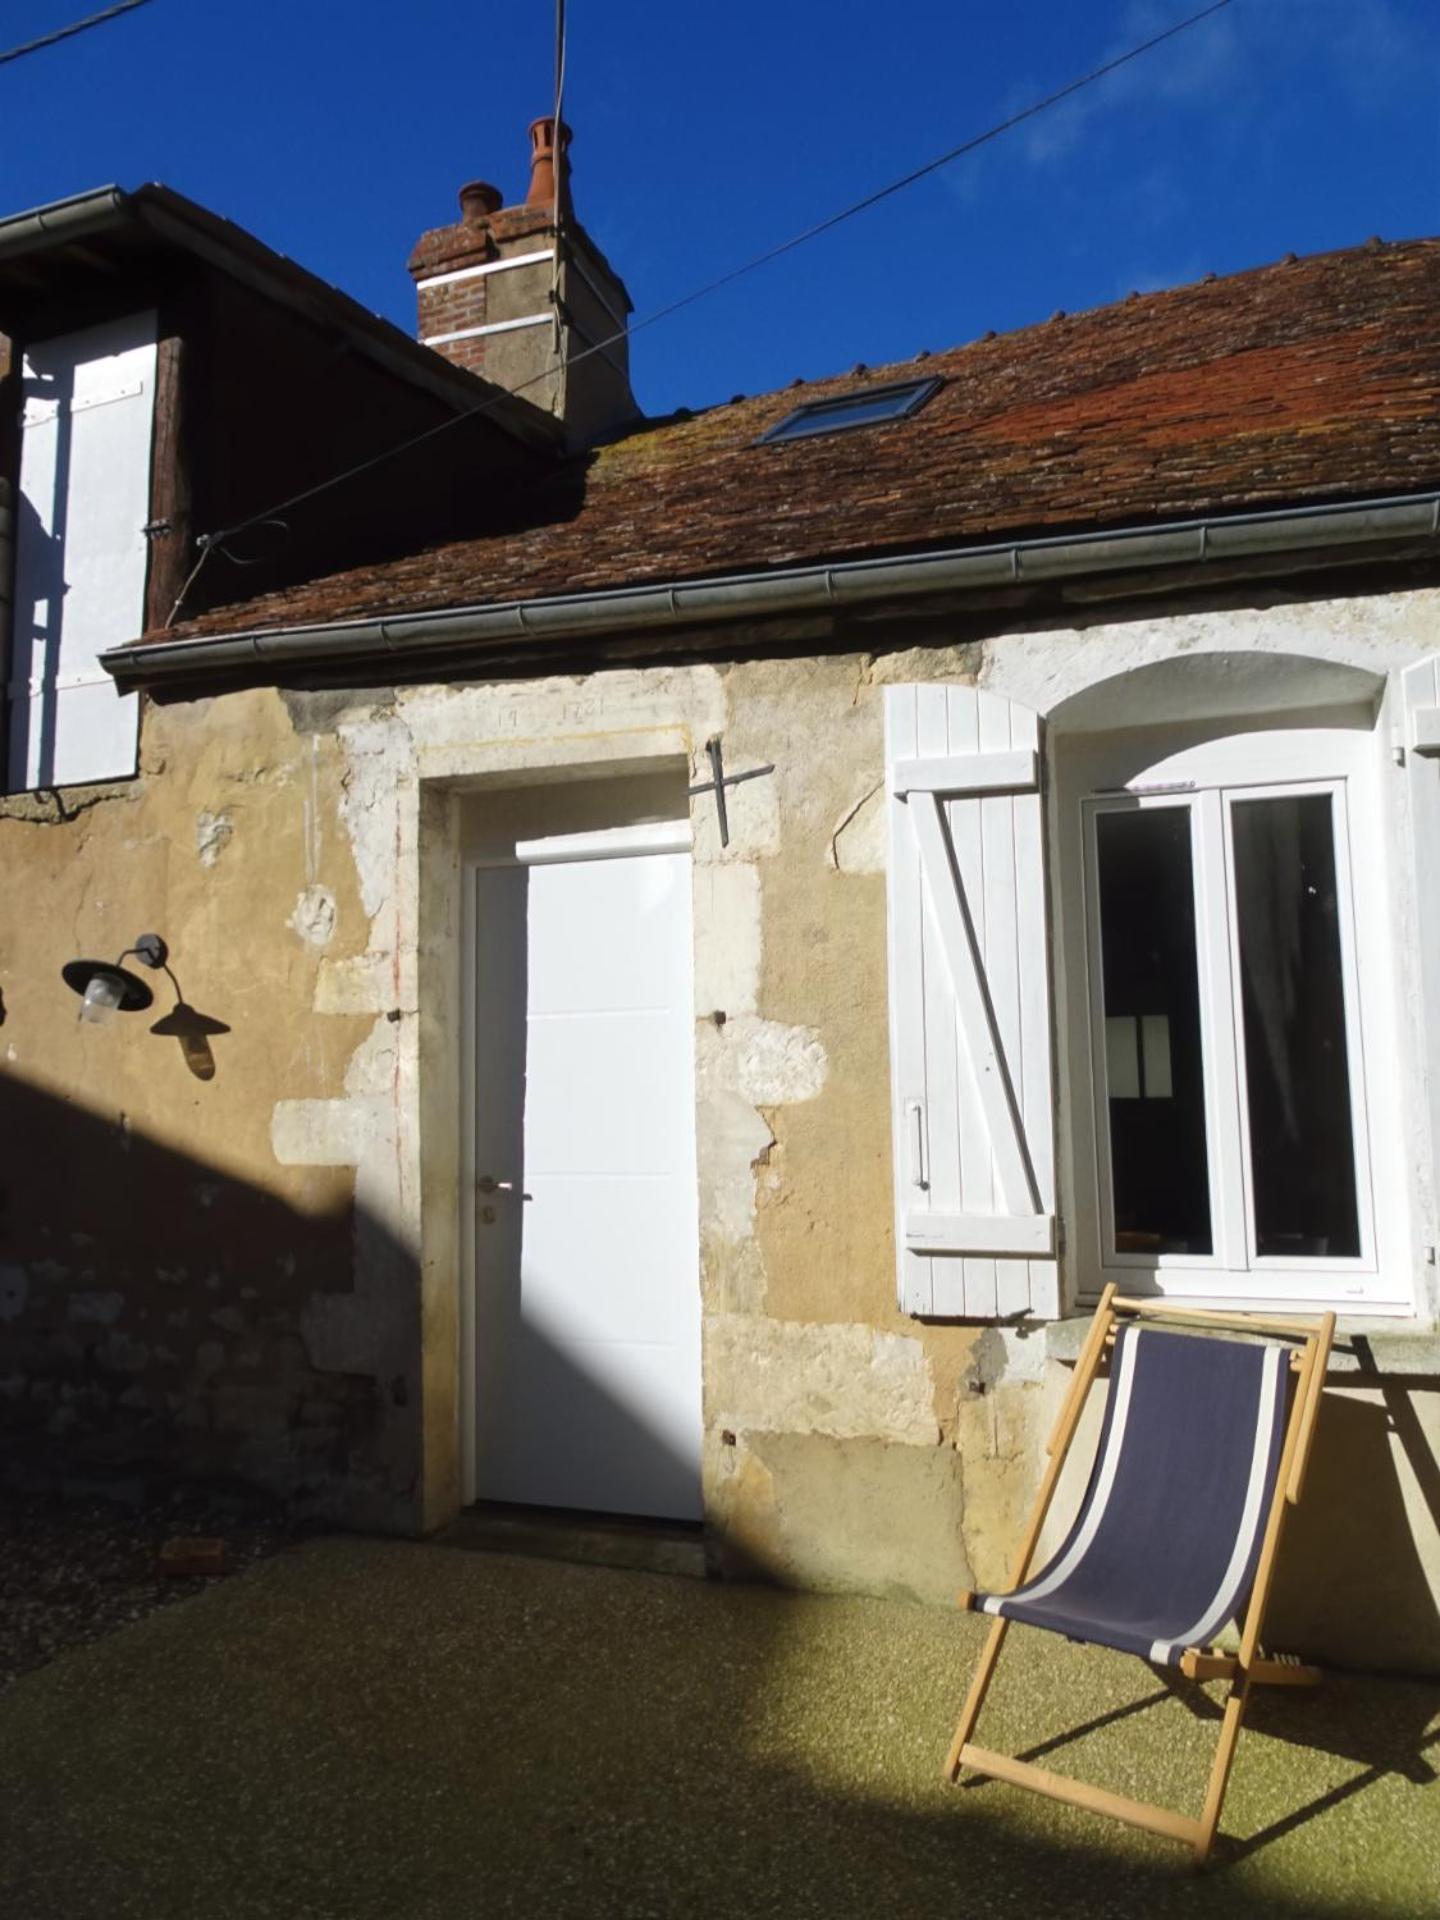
{"points": [[157, 1262], [258, 1274]]}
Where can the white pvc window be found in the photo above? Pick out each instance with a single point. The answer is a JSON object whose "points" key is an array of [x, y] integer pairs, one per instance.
{"points": [[1235, 978]]}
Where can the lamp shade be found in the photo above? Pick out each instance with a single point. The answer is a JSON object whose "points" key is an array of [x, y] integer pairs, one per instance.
{"points": [[121, 990]]}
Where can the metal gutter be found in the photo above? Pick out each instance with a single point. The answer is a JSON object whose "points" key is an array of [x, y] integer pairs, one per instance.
{"points": [[793, 590], [177, 222], [62, 220]]}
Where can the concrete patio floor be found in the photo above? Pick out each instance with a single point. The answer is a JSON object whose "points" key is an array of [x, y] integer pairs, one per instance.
{"points": [[368, 1727]]}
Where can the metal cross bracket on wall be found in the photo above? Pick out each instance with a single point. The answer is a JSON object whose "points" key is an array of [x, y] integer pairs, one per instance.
{"points": [[718, 782]]}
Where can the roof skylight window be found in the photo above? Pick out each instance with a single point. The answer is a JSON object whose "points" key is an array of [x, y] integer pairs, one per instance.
{"points": [[869, 408]]}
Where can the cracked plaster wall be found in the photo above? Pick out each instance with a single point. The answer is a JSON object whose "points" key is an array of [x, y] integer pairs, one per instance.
{"points": [[162, 1265], [278, 845], [766, 1055], [300, 1326]]}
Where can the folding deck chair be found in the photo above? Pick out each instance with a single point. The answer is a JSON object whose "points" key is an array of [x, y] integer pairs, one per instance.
{"points": [[1202, 1451]]}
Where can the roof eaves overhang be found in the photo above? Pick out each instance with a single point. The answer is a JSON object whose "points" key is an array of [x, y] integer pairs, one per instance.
{"points": [[1308, 536], [62, 220], [219, 243]]}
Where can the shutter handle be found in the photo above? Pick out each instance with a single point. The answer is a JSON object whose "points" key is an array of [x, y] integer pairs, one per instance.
{"points": [[915, 1123]]}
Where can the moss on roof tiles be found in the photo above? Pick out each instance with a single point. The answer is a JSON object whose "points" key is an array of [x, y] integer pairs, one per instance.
{"points": [[1309, 380]]}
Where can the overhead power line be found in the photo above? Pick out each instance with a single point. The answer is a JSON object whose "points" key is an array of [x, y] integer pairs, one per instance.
{"points": [[68, 33], [209, 542], [557, 264]]}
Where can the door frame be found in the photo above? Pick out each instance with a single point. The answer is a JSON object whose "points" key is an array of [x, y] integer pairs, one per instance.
{"points": [[614, 841]]}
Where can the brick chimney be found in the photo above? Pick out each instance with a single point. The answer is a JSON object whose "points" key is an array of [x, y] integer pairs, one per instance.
{"points": [[486, 289]]}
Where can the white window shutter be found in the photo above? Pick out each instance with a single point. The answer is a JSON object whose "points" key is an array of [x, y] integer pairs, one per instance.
{"points": [[1420, 686], [80, 560], [970, 1020]]}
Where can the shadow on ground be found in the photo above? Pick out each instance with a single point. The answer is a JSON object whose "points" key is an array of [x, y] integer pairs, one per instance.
{"points": [[366, 1727]]}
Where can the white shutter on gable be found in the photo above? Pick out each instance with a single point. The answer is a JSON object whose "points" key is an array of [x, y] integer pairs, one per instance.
{"points": [[80, 552], [970, 1029]]}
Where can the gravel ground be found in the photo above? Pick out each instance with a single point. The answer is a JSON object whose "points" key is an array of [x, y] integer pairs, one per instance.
{"points": [[72, 1572], [383, 1730]]}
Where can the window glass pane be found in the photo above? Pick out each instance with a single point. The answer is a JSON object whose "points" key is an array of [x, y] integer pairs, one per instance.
{"points": [[1155, 1052], [1122, 1058], [1158, 1167], [1297, 1071], [863, 409]]}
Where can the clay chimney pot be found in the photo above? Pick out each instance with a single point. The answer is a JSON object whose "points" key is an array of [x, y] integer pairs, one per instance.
{"points": [[478, 199], [542, 160]]}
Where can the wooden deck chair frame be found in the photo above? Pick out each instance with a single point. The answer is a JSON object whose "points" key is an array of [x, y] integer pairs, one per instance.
{"points": [[1243, 1670]]}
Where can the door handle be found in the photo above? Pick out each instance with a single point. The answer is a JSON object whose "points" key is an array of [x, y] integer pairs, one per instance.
{"points": [[915, 1116]]}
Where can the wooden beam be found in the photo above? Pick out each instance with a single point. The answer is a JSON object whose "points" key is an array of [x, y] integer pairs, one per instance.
{"points": [[1315, 1385], [170, 556], [1091, 1355], [1087, 1365], [1079, 1793], [92, 259], [1277, 1671], [975, 1698], [1203, 1317], [1317, 1349]]}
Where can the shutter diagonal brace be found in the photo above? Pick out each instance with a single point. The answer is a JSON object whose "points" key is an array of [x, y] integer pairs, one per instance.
{"points": [[977, 1017]]}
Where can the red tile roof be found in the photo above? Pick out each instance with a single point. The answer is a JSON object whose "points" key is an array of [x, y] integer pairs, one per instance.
{"points": [[1316, 379]]}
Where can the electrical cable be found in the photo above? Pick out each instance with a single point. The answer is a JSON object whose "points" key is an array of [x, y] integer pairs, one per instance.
{"points": [[827, 225], [557, 264], [68, 33]]}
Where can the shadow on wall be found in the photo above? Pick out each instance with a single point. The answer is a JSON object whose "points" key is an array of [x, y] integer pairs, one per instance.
{"points": [[162, 1321], [153, 1324], [1352, 1586], [193, 1029], [40, 610], [157, 1322], [1350, 1580]]}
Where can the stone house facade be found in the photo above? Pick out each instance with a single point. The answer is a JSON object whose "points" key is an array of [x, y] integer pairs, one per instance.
{"points": [[702, 974]]}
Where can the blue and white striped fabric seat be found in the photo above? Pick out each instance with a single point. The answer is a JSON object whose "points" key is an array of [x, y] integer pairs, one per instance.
{"points": [[1164, 1549]]}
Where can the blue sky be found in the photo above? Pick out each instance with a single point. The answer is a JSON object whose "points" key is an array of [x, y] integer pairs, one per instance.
{"points": [[704, 134]]}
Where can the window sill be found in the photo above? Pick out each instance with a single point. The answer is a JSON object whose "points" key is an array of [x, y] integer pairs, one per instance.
{"points": [[1363, 1346]]}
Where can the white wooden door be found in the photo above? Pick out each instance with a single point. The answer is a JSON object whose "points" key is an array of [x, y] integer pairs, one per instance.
{"points": [[587, 1321]]}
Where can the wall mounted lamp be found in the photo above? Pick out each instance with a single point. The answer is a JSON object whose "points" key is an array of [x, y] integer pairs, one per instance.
{"points": [[106, 987]]}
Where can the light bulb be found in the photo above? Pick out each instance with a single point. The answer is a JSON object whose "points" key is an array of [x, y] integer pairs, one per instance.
{"points": [[102, 997]]}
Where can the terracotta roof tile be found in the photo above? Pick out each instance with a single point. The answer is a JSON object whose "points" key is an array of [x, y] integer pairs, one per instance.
{"points": [[1316, 379]]}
